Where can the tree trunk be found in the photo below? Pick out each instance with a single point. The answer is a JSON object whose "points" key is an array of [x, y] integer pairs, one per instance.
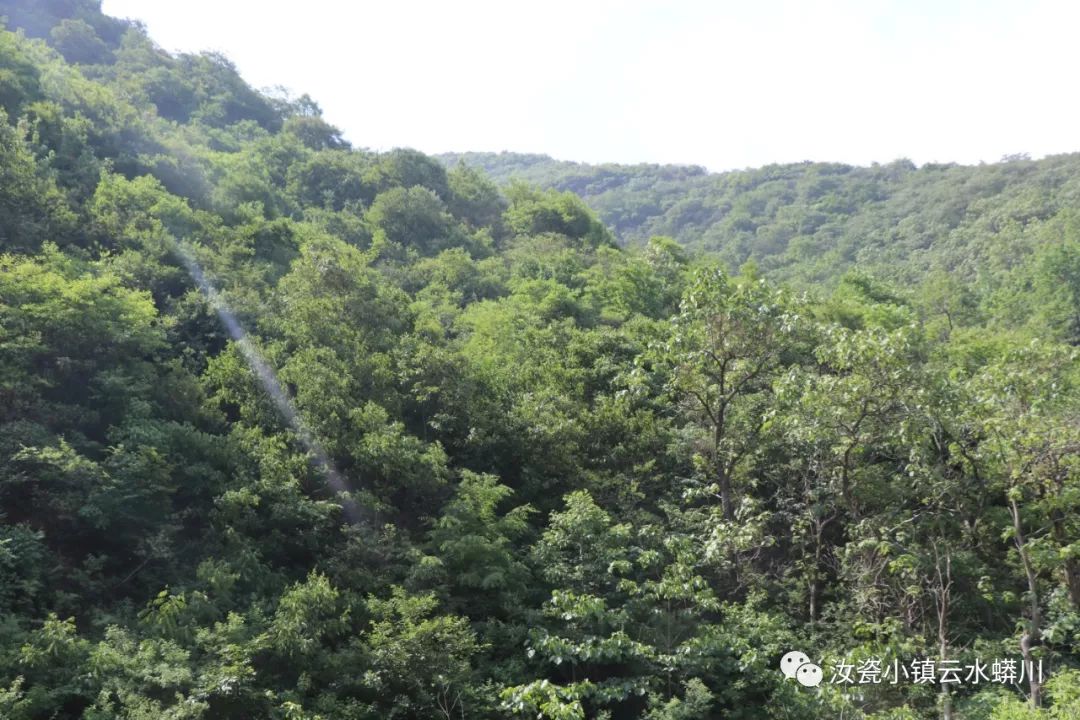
{"points": [[725, 494], [723, 477], [943, 597], [1032, 637]]}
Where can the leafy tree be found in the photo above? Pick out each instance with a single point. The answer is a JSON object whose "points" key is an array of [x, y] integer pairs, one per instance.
{"points": [[315, 133], [78, 43], [474, 198], [474, 546], [407, 168], [34, 209], [419, 663], [729, 339], [20, 81], [413, 218], [533, 212]]}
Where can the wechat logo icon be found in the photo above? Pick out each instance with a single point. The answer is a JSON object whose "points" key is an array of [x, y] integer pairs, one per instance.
{"points": [[796, 665]]}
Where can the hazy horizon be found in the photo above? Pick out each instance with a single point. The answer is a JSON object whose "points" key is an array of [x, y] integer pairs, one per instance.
{"points": [[722, 85]]}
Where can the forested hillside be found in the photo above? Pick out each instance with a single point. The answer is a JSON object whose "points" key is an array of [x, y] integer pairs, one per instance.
{"points": [[809, 223], [295, 430]]}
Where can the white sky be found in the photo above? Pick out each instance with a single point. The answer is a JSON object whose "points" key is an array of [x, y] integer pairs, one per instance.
{"points": [[709, 82]]}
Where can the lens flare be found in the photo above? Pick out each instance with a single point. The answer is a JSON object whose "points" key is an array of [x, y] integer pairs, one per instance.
{"points": [[269, 381]]}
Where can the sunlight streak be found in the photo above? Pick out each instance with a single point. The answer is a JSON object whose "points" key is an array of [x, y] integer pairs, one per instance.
{"points": [[269, 381]]}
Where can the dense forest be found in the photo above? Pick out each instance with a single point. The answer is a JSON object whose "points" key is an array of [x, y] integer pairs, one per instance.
{"points": [[808, 224], [291, 429]]}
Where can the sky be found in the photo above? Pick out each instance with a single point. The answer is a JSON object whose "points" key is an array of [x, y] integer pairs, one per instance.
{"points": [[705, 82]]}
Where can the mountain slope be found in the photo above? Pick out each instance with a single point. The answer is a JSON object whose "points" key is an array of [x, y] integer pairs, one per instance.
{"points": [[811, 222], [297, 431]]}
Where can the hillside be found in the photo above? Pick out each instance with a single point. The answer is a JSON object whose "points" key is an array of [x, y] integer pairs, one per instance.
{"points": [[295, 430], [811, 222]]}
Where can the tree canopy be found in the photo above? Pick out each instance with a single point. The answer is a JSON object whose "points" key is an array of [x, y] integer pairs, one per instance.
{"points": [[291, 429]]}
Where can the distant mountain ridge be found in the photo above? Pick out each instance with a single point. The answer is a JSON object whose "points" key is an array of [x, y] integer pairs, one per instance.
{"points": [[811, 221]]}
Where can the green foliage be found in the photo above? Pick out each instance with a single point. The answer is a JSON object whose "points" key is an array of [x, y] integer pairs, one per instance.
{"points": [[315, 133], [474, 544], [407, 168], [291, 430], [334, 179], [33, 209], [418, 662], [536, 212], [20, 81], [306, 616], [811, 223], [411, 218], [1065, 701], [77, 41], [474, 198], [695, 703]]}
